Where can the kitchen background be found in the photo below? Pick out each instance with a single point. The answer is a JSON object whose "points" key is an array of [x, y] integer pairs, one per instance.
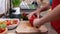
{"points": [[14, 8], [23, 5]]}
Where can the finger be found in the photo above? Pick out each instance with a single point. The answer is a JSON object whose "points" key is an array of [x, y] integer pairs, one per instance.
{"points": [[38, 14], [36, 26], [29, 16]]}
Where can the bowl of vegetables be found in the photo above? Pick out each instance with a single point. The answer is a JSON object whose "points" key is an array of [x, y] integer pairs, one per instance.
{"points": [[3, 27], [12, 23]]}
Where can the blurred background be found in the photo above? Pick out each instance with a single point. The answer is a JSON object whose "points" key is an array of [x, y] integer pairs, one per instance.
{"points": [[14, 9]]}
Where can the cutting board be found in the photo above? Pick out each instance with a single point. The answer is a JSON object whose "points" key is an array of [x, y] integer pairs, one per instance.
{"points": [[26, 28]]}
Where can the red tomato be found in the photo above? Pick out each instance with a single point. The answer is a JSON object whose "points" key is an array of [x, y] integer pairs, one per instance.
{"points": [[8, 22], [32, 19], [24, 14], [15, 21], [2, 30]]}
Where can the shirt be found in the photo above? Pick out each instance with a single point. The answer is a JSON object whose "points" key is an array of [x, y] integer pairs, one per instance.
{"points": [[56, 23]]}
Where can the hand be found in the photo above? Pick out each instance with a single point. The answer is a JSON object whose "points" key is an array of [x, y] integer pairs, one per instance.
{"points": [[34, 12], [37, 22], [30, 15]]}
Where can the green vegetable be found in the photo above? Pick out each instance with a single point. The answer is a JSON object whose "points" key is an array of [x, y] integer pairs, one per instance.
{"points": [[3, 25], [16, 3]]}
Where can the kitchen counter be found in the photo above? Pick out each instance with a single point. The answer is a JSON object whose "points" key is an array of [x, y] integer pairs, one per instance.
{"points": [[50, 29]]}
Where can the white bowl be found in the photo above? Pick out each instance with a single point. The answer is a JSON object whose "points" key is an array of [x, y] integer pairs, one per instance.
{"points": [[13, 25]]}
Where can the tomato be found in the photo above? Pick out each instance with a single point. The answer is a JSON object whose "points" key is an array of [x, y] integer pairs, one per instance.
{"points": [[8, 22], [24, 14], [15, 21], [32, 19], [2, 30]]}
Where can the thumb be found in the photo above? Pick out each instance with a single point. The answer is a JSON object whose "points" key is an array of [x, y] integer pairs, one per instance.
{"points": [[38, 13], [29, 16]]}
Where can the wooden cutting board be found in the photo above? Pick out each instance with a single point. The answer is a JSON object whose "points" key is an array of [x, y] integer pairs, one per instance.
{"points": [[26, 28]]}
